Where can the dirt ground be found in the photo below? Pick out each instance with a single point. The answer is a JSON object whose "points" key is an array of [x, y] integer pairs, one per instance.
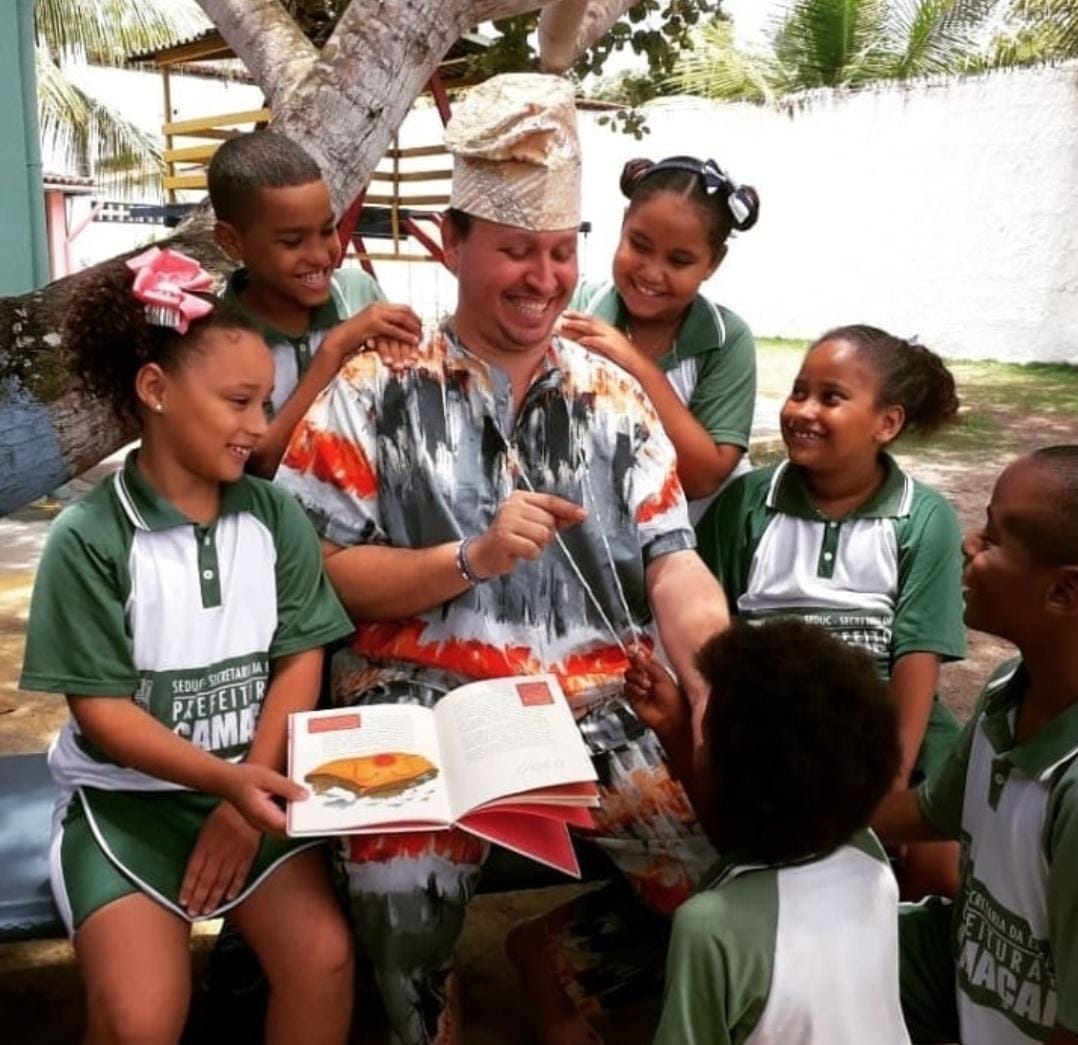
{"points": [[39, 992]]}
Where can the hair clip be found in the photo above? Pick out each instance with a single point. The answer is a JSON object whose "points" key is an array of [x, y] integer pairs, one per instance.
{"points": [[164, 280]]}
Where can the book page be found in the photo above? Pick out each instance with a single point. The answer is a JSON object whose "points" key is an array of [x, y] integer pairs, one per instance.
{"points": [[364, 767], [503, 736]]}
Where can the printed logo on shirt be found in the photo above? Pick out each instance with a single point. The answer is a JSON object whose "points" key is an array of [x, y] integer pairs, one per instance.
{"points": [[1002, 964], [215, 707]]}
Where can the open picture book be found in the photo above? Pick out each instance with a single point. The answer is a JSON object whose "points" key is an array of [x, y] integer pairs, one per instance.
{"points": [[502, 759]]}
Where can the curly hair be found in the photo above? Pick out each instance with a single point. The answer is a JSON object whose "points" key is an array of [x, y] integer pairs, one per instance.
{"points": [[911, 376], [641, 180], [108, 339], [801, 738], [253, 161]]}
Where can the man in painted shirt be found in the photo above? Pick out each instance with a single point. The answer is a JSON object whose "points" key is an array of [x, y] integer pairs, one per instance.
{"points": [[509, 505], [1000, 965]]}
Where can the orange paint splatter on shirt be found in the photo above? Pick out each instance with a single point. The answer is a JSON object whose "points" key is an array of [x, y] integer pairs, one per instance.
{"points": [[403, 640], [332, 459], [453, 845], [661, 502]]}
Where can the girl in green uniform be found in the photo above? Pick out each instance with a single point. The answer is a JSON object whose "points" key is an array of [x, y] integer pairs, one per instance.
{"points": [[838, 535], [181, 609], [695, 359]]}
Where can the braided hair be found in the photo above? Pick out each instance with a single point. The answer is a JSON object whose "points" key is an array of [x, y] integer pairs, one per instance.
{"points": [[724, 205], [910, 375]]}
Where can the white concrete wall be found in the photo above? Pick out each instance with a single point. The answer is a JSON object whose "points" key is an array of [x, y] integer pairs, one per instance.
{"points": [[944, 209]]}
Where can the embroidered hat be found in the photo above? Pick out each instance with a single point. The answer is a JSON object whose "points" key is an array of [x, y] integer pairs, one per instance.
{"points": [[516, 155]]}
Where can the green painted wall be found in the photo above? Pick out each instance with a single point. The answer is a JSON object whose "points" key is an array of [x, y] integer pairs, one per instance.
{"points": [[24, 263]]}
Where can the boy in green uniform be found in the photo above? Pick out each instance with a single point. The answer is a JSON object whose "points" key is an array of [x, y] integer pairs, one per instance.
{"points": [[792, 938], [1000, 965], [274, 216]]}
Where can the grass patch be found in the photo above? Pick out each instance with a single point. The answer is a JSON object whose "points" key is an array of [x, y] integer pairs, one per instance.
{"points": [[999, 400], [1040, 388]]}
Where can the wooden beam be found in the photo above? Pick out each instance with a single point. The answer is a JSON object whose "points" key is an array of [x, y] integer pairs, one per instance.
{"points": [[205, 123], [411, 176], [191, 153], [408, 201], [186, 181]]}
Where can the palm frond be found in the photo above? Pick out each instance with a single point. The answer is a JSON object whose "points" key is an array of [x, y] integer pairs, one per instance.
{"points": [[829, 43], [716, 68], [91, 137], [926, 37], [104, 32], [1054, 23]]}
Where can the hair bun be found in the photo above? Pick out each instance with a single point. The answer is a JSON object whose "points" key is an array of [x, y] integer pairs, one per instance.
{"points": [[631, 173], [744, 205]]}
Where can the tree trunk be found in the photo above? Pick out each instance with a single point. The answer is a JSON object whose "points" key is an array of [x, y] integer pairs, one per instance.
{"points": [[343, 104]]}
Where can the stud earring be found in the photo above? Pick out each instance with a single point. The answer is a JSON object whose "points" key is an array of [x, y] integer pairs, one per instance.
{"points": [[159, 407]]}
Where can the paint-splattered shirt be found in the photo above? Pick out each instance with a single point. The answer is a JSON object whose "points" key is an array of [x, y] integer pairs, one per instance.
{"points": [[427, 457]]}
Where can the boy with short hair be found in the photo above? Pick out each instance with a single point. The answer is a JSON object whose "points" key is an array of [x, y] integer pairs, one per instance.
{"points": [[274, 216], [1000, 965], [793, 937]]}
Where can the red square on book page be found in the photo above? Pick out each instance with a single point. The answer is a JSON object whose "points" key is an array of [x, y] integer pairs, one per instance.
{"points": [[534, 693], [330, 723]]}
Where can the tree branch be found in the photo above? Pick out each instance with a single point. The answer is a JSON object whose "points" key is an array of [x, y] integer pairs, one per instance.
{"points": [[267, 40], [568, 28]]}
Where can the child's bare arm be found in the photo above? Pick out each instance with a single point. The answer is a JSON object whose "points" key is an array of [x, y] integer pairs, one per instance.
{"points": [[898, 818], [133, 737], [662, 706], [227, 845], [913, 688], [380, 320]]}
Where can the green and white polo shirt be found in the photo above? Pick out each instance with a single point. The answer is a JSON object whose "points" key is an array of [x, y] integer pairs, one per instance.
{"points": [[712, 365], [350, 291], [803, 955], [133, 600], [887, 577], [1015, 809]]}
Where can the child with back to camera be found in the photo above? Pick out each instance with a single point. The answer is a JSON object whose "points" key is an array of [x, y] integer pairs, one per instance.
{"points": [[695, 359], [275, 217], [181, 608], [792, 940], [999, 966], [838, 535]]}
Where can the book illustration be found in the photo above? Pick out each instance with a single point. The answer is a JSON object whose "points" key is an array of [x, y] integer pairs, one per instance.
{"points": [[381, 776], [500, 758]]}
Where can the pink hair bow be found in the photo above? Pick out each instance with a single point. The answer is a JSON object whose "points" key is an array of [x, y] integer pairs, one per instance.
{"points": [[163, 282]]}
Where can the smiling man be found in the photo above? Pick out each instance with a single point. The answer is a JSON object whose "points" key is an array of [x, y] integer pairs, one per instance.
{"points": [[510, 505]]}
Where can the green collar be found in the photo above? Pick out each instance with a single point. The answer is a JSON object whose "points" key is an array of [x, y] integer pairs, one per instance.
{"points": [[702, 330], [148, 510], [327, 315], [790, 495], [1039, 756]]}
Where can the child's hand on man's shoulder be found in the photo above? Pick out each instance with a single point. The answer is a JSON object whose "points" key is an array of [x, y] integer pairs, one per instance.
{"points": [[393, 331]]}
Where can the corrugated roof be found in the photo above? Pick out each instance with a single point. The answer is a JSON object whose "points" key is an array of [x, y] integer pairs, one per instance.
{"points": [[53, 179]]}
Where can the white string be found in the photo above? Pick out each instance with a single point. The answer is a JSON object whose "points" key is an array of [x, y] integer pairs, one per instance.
{"points": [[515, 460]]}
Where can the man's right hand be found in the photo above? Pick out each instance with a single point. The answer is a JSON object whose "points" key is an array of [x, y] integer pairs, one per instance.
{"points": [[522, 528]]}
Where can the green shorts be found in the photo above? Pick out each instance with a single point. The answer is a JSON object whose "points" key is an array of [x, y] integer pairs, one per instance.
{"points": [[940, 735], [927, 970], [114, 843]]}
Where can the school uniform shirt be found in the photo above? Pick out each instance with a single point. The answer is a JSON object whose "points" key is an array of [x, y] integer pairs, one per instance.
{"points": [[803, 954], [886, 577], [711, 365], [351, 290], [428, 456], [1015, 809]]}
